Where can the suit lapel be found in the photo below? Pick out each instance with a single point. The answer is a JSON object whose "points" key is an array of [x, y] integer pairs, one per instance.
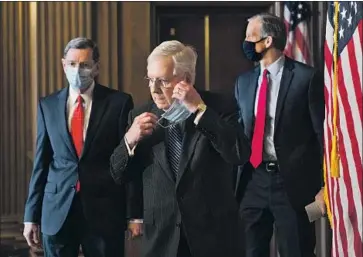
{"points": [[62, 120], [99, 106], [286, 78], [250, 97], [191, 137]]}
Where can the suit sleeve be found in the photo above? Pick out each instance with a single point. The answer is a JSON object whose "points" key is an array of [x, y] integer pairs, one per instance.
{"points": [[123, 118], [120, 163], [134, 193], [43, 157], [226, 133], [317, 111], [120, 158]]}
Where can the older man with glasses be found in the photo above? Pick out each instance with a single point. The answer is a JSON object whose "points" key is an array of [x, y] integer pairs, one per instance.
{"points": [[181, 147]]}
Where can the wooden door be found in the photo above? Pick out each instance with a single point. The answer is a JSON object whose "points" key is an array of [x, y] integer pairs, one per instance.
{"points": [[216, 33]]}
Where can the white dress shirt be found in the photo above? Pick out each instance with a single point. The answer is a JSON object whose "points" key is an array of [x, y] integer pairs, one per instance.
{"points": [[274, 79], [87, 104]]}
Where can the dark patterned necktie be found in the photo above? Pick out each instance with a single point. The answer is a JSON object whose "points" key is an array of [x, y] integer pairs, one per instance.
{"points": [[175, 141]]}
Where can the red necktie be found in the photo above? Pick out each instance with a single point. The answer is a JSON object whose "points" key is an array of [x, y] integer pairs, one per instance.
{"points": [[258, 133], [77, 130]]}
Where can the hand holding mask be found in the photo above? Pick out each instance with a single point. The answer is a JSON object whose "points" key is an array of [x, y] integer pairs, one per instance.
{"points": [[186, 101], [142, 126], [177, 113], [187, 95]]}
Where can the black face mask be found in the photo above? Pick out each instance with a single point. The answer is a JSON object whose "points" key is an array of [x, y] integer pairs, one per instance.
{"points": [[249, 48]]}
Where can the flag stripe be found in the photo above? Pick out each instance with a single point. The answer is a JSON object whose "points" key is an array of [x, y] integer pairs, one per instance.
{"points": [[298, 55], [345, 191], [349, 213], [350, 110], [299, 41], [297, 45], [334, 197], [340, 232], [341, 203], [359, 38], [301, 35], [354, 78]]}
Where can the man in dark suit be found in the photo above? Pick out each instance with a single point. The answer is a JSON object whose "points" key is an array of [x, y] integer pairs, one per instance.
{"points": [[281, 104], [183, 161], [71, 193]]}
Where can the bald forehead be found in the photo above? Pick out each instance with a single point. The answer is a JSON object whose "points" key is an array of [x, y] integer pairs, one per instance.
{"points": [[254, 27], [161, 67]]}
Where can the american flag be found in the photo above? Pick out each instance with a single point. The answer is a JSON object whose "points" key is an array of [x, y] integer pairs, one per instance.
{"points": [[343, 126], [296, 15]]}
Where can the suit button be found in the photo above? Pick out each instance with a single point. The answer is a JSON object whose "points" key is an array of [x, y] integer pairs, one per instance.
{"points": [[178, 225]]}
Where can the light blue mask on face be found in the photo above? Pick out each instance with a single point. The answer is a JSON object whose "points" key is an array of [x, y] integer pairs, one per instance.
{"points": [[79, 78], [177, 113]]}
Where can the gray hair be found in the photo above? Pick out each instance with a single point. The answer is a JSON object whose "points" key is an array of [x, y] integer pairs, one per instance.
{"points": [[272, 26], [184, 58], [83, 43]]}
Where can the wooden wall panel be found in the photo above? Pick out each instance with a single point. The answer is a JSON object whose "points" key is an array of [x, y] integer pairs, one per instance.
{"points": [[135, 49], [33, 36], [106, 36], [58, 23], [15, 97]]}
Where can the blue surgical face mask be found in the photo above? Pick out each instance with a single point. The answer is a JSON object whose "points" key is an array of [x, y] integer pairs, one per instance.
{"points": [[79, 78], [177, 113], [249, 48]]}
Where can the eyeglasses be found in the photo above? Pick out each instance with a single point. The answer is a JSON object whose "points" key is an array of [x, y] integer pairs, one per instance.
{"points": [[158, 82], [81, 65]]}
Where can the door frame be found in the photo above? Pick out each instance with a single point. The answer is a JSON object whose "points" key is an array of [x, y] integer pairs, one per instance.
{"points": [[158, 8]]}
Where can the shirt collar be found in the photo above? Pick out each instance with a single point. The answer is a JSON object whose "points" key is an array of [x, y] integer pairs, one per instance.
{"points": [[275, 67], [86, 95]]}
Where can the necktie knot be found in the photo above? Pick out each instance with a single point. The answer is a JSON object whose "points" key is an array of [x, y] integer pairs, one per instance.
{"points": [[265, 72], [79, 99]]}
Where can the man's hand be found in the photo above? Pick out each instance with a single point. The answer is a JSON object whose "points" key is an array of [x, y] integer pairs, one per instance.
{"points": [[188, 95], [142, 126], [319, 198], [135, 229], [31, 234]]}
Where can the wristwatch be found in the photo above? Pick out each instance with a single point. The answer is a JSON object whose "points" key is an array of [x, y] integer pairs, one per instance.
{"points": [[201, 108]]}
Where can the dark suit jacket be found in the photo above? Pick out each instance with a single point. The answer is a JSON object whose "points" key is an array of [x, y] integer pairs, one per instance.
{"points": [[298, 136], [57, 167], [202, 197]]}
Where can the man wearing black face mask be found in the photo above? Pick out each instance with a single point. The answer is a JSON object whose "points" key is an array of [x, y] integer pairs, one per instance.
{"points": [[281, 104]]}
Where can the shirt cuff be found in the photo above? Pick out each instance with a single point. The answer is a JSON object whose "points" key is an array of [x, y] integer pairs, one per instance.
{"points": [[29, 223], [198, 117], [129, 150], [136, 221]]}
